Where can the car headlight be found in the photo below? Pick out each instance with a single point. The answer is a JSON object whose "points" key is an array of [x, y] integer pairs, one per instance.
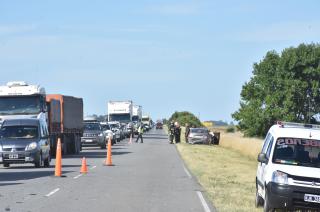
{"points": [[101, 134], [31, 146], [279, 177]]}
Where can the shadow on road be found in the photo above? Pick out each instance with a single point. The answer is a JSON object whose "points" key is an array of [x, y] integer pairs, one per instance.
{"points": [[26, 175], [8, 184]]}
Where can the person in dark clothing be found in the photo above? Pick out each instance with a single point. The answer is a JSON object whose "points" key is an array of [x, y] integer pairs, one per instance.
{"points": [[171, 132], [177, 132], [187, 132]]}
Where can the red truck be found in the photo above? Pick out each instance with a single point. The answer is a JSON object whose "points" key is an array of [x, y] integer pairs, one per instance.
{"points": [[65, 118]]}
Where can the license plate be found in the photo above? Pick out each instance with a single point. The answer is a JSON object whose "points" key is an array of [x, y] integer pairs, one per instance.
{"points": [[13, 156], [89, 141], [312, 198]]}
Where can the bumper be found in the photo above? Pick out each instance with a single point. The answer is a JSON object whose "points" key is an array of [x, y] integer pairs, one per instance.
{"points": [[291, 197], [19, 157], [92, 141]]}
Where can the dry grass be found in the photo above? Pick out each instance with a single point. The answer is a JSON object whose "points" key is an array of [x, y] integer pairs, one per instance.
{"points": [[227, 176], [227, 172]]}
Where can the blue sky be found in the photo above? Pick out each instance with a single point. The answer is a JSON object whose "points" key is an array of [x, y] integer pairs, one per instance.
{"points": [[164, 55]]}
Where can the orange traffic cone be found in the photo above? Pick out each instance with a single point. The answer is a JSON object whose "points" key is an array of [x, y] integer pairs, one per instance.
{"points": [[130, 140], [84, 168], [57, 170], [109, 160]]}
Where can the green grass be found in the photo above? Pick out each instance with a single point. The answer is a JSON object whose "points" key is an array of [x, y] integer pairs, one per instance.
{"points": [[227, 176]]}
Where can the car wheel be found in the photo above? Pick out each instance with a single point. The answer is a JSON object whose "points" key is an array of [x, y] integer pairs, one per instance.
{"points": [[258, 200], [266, 205], [38, 163], [46, 162], [6, 165], [103, 146]]}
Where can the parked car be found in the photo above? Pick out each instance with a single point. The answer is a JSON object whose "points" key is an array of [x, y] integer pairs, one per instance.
{"points": [[107, 132], [199, 136], [24, 141], [93, 134], [159, 125], [115, 127], [289, 168]]}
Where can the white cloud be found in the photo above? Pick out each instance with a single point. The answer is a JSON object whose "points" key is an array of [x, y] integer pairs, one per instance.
{"points": [[13, 29], [282, 32]]}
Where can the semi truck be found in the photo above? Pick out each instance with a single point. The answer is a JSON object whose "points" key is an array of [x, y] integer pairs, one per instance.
{"points": [[63, 115], [120, 111], [136, 113]]}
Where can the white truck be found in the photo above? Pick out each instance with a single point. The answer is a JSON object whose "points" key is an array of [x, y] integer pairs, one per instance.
{"points": [[136, 113], [63, 114], [120, 111], [146, 121]]}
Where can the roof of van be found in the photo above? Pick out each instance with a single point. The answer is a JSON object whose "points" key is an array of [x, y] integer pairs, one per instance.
{"points": [[288, 131], [21, 122]]}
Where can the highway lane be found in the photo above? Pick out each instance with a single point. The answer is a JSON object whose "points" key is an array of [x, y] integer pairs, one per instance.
{"points": [[145, 177]]}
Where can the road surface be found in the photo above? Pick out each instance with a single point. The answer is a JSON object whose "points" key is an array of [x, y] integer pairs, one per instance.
{"points": [[148, 177]]}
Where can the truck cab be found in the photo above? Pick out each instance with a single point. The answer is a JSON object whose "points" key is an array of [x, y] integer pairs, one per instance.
{"points": [[21, 100]]}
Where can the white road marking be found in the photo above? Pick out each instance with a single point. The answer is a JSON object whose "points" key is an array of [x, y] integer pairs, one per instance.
{"points": [[53, 192], [203, 202], [187, 172], [76, 177], [93, 167]]}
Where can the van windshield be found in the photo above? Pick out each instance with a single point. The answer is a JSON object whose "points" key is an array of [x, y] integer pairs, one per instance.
{"points": [[19, 132], [297, 151]]}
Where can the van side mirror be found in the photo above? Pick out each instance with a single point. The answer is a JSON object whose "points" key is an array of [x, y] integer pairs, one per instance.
{"points": [[262, 158]]}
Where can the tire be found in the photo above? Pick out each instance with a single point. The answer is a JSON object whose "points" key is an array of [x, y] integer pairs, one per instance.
{"points": [[258, 200], [6, 165], [38, 163], [266, 205], [103, 146], [46, 162]]}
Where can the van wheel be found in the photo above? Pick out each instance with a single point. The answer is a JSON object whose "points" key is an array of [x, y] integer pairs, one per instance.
{"points": [[266, 205], [38, 163], [259, 200], [6, 165]]}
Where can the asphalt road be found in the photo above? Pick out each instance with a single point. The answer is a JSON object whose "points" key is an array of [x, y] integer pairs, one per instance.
{"points": [[148, 177]]}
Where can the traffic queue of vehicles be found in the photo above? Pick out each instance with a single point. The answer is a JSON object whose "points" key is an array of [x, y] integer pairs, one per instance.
{"points": [[32, 122]]}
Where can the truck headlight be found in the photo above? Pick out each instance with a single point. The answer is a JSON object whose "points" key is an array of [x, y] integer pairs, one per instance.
{"points": [[31, 146], [279, 177]]}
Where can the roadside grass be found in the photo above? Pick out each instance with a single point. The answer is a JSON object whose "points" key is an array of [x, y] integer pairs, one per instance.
{"points": [[226, 172]]}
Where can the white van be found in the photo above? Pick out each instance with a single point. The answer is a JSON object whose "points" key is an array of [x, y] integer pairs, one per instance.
{"points": [[288, 175]]}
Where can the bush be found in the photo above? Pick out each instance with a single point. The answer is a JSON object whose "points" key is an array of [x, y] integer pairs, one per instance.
{"points": [[230, 130], [185, 117]]}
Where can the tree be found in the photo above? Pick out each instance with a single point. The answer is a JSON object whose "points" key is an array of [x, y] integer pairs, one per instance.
{"points": [[185, 117], [283, 87]]}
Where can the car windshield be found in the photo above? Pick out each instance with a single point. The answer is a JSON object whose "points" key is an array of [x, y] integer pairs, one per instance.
{"points": [[114, 126], [92, 126], [105, 127], [20, 105], [19, 132], [297, 151], [199, 131]]}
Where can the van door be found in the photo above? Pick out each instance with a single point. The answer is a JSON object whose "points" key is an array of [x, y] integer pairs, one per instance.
{"points": [[262, 166]]}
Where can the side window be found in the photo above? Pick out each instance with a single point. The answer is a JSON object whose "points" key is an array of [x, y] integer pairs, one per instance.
{"points": [[270, 147], [266, 142]]}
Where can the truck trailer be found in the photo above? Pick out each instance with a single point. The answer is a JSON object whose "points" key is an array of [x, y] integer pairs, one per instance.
{"points": [[65, 122]]}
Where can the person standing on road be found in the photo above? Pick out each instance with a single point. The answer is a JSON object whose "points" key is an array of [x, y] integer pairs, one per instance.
{"points": [[187, 132], [140, 133], [177, 132], [171, 132]]}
